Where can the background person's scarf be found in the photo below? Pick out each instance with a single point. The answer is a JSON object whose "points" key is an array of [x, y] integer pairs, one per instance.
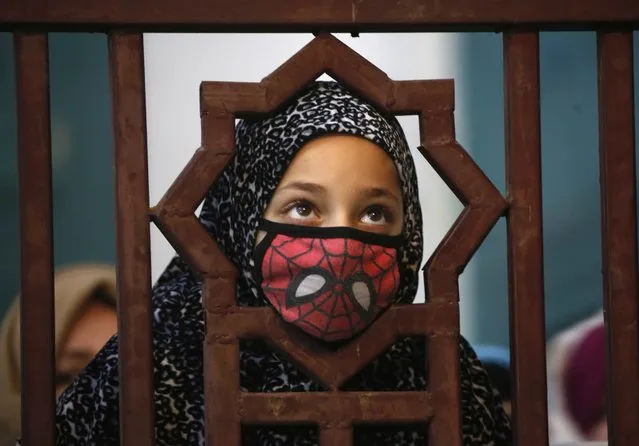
{"points": [[585, 380], [567, 356], [73, 287], [87, 413]]}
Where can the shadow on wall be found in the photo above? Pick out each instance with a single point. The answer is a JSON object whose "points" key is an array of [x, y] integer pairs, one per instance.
{"points": [[572, 241], [82, 157]]}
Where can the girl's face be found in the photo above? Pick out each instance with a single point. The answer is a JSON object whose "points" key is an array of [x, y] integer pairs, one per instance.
{"points": [[333, 287], [340, 180]]}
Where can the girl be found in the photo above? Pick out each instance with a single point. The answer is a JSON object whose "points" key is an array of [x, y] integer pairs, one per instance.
{"points": [[326, 166]]}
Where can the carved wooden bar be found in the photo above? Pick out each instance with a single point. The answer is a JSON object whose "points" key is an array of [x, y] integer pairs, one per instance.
{"points": [[333, 411], [525, 238], [137, 410], [36, 238], [619, 232]]}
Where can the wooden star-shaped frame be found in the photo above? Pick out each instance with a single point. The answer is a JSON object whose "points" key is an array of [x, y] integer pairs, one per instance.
{"points": [[335, 411]]}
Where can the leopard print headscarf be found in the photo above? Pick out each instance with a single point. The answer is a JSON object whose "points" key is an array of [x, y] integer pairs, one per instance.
{"points": [[87, 413]]}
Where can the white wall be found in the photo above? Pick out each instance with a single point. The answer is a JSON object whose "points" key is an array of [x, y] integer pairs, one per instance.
{"points": [[177, 63]]}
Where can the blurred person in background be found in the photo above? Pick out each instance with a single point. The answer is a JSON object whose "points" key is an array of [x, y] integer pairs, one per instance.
{"points": [[576, 361], [85, 319], [496, 361]]}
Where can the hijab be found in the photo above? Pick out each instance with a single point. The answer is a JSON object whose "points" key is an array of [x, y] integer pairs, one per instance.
{"points": [[585, 380], [576, 361], [73, 287], [88, 411]]}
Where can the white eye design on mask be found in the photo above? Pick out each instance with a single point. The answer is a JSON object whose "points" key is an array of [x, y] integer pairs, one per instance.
{"points": [[307, 286], [311, 284], [362, 294]]}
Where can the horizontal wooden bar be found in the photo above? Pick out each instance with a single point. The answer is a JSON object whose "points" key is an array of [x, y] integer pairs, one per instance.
{"points": [[310, 16], [619, 233], [402, 320], [36, 240], [302, 407], [525, 237], [133, 240]]}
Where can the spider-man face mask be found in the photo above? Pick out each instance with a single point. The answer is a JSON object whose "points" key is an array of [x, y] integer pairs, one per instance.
{"points": [[330, 282]]}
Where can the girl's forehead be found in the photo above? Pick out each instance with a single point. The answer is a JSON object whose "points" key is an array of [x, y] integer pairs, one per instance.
{"points": [[342, 158]]}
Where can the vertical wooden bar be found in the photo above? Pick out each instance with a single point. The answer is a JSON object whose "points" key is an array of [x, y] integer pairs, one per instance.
{"points": [[443, 377], [221, 369], [36, 239], [340, 435], [619, 233], [133, 251], [525, 237], [221, 352]]}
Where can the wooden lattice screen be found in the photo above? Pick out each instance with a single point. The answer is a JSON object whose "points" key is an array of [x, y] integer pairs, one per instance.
{"points": [[521, 21]]}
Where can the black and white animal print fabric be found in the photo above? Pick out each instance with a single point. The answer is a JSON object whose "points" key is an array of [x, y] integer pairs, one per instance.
{"points": [[87, 413]]}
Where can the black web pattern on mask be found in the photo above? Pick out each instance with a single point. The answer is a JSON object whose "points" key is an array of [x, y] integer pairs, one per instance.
{"points": [[317, 318]]}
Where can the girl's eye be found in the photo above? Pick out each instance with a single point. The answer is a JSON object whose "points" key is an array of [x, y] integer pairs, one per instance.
{"points": [[300, 210], [376, 215]]}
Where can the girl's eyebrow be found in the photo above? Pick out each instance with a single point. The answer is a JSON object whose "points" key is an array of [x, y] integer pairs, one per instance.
{"points": [[305, 186], [380, 192], [367, 192]]}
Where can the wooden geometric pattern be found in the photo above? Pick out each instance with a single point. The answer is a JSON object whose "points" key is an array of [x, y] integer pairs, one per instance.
{"points": [[437, 319]]}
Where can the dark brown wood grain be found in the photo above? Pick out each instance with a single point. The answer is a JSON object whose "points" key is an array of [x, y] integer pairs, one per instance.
{"points": [[619, 233], [335, 435], [36, 239], [444, 377], [137, 411], [525, 238], [222, 388], [311, 16], [335, 408]]}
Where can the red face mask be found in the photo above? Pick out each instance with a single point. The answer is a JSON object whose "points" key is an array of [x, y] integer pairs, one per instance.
{"points": [[330, 282]]}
